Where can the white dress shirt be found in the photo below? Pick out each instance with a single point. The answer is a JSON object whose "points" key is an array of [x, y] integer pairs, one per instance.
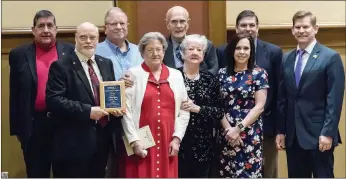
{"points": [[84, 62], [306, 55]]}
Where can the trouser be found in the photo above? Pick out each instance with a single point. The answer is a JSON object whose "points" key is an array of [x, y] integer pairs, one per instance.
{"points": [[89, 167], [270, 157], [303, 163], [37, 148]]}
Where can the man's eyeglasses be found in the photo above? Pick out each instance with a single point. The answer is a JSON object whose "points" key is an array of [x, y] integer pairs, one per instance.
{"points": [[176, 22], [113, 25], [85, 38]]}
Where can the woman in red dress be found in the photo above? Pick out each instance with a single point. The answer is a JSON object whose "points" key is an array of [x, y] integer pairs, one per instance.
{"points": [[154, 100]]}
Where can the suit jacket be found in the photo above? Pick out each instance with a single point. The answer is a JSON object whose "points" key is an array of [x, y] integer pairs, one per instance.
{"points": [[268, 57], [23, 86], [210, 62], [69, 97], [314, 108]]}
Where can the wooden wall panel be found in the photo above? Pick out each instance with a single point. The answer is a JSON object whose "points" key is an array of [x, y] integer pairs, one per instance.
{"points": [[333, 38], [12, 158], [139, 13], [156, 10]]}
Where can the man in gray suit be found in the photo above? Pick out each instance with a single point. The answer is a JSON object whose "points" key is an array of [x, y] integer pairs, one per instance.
{"points": [[310, 100]]}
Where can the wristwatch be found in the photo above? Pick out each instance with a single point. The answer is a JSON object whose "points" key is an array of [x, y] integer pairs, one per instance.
{"points": [[241, 126]]}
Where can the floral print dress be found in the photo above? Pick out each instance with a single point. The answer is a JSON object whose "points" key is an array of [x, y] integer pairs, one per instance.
{"points": [[238, 93]]}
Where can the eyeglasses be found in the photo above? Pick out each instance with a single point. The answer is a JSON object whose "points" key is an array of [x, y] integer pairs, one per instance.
{"points": [[176, 22], [153, 50], [85, 38], [113, 25]]}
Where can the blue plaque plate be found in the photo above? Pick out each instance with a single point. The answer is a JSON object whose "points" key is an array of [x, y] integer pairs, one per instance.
{"points": [[112, 95]]}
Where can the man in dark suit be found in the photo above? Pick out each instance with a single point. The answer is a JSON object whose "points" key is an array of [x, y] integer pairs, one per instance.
{"points": [[310, 96], [177, 22], [82, 130], [268, 57], [29, 118]]}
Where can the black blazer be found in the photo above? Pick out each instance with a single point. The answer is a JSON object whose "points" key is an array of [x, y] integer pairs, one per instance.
{"points": [[23, 86], [268, 57], [69, 97], [314, 107], [210, 62]]}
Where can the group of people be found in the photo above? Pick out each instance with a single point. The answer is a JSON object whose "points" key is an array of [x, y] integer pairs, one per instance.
{"points": [[212, 112]]}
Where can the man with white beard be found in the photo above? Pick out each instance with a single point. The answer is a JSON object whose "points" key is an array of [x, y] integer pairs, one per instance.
{"points": [[82, 130]]}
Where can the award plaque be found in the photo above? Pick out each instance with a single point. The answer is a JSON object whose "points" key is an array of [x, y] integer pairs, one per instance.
{"points": [[112, 95]]}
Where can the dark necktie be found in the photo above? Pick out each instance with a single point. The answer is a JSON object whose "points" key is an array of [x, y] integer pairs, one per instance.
{"points": [[299, 66], [178, 55], [96, 88]]}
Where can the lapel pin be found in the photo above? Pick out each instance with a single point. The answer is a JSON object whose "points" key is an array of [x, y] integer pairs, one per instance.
{"points": [[315, 56]]}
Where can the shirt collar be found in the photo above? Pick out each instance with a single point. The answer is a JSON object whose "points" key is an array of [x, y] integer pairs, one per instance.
{"points": [[115, 47], [83, 58], [175, 43], [310, 47]]}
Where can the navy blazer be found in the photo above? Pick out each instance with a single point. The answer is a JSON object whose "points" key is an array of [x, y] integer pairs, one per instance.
{"points": [[313, 108], [69, 97], [210, 62], [23, 86], [268, 57]]}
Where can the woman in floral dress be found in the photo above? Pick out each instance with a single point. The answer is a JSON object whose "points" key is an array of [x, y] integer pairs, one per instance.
{"points": [[244, 90]]}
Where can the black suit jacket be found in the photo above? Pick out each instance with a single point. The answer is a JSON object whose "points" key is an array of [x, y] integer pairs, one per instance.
{"points": [[69, 97], [268, 57], [210, 62], [23, 86], [314, 107]]}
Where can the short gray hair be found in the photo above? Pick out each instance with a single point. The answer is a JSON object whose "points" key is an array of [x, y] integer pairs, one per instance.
{"points": [[151, 36], [200, 39]]}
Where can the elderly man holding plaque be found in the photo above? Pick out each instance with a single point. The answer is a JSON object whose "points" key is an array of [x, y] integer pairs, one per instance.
{"points": [[82, 129], [154, 102]]}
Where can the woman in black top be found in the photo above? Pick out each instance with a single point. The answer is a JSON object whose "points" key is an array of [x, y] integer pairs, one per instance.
{"points": [[205, 106]]}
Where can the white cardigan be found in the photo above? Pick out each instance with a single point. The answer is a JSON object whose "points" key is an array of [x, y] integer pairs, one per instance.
{"points": [[134, 99]]}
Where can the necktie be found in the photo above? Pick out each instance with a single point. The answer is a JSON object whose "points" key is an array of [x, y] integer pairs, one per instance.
{"points": [[299, 66], [96, 88], [179, 57]]}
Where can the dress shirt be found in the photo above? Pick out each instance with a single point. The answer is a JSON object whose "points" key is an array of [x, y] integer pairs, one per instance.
{"points": [[84, 62], [306, 55], [177, 61], [122, 61]]}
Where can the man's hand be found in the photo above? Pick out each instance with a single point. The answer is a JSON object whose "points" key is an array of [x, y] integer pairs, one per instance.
{"points": [[127, 79], [97, 113], [325, 143], [174, 147], [118, 112], [280, 142]]}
